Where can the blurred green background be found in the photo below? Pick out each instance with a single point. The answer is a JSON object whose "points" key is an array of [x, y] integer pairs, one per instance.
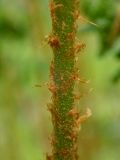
{"points": [[25, 123]]}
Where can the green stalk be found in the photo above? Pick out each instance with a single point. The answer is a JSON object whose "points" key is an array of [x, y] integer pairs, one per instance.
{"points": [[62, 41]]}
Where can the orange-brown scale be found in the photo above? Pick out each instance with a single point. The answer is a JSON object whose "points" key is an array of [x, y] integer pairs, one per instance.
{"points": [[55, 115], [75, 76], [74, 112], [54, 41], [71, 35], [52, 87], [49, 157], [52, 140], [75, 148], [76, 14], [83, 117], [75, 26], [65, 152], [53, 7], [74, 135], [64, 88], [66, 129], [66, 84], [79, 46], [77, 97]]}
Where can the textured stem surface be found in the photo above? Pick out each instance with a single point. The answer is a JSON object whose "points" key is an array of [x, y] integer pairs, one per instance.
{"points": [[62, 41]]}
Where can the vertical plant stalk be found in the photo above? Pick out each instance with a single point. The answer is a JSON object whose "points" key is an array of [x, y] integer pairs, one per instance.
{"points": [[65, 118]]}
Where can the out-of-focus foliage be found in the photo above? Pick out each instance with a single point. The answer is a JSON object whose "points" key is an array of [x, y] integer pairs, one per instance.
{"points": [[24, 62], [106, 15]]}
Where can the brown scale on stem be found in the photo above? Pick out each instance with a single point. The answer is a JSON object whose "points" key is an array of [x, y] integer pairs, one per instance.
{"points": [[74, 135], [53, 41], [49, 157], [77, 97], [74, 112], [52, 140], [67, 84], [71, 36], [52, 107], [79, 47], [83, 117], [75, 76], [78, 120], [66, 152], [75, 148], [53, 7], [52, 87], [54, 113], [76, 14]]}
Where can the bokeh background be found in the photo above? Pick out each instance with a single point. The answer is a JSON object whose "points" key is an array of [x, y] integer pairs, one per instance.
{"points": [[25, 123]]}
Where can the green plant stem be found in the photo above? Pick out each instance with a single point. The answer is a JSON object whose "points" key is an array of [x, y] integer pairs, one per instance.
{"points": [[62, 41]]}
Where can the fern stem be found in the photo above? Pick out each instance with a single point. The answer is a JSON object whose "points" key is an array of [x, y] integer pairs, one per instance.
{"points": [[62, 41]]}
